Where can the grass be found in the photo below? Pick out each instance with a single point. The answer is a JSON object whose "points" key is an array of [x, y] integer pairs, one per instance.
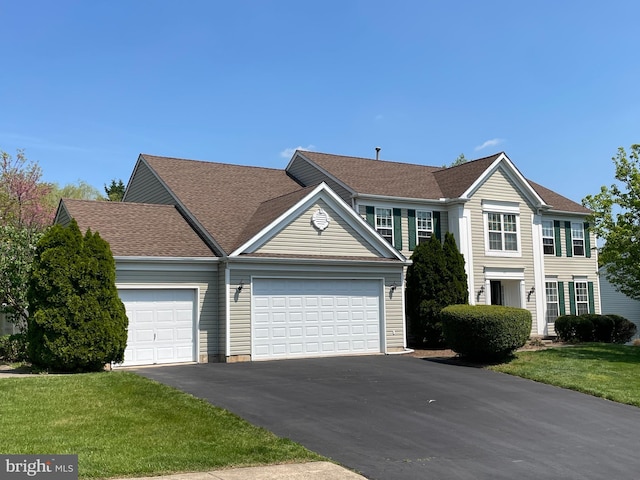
{"points": [[121, 424], [604, 370]]}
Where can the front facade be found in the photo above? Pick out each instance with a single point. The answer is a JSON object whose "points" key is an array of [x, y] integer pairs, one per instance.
{"points": [[220, 262]]}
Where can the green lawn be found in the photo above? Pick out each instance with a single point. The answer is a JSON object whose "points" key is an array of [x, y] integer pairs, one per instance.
{"points": [[121, 424], [604, 370]]}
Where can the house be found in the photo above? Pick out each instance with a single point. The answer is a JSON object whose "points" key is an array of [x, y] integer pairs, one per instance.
{"points": [[616, 302], [225, 262]]}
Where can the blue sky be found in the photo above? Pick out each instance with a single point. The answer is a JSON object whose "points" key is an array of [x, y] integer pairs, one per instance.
{"points": [[88, 85]]}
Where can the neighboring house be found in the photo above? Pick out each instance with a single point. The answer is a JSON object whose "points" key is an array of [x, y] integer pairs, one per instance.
{"points": [[614, 301], [226, 262]]}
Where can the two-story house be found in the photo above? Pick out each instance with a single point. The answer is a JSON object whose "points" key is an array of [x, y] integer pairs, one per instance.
{"points": [[226, 262]]}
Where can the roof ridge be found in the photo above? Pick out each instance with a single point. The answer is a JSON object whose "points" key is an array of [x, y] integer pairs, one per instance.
{"points": [[495, 155], [370, 159], [108, 202], [210, 162]]}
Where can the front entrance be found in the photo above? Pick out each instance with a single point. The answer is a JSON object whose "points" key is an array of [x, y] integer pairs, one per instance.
{"points": [[496, 292], [505, 292]]}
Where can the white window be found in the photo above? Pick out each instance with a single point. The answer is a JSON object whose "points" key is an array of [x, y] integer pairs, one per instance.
{"points": [[424, 226], [577, 237], [503, 232], [548, 237], [551, 292], [582, 298], [384, 223]]}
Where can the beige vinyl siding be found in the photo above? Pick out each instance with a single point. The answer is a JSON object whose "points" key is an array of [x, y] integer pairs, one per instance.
{"points": [[222, 313], [144, 187], [300, 237], [240, 303], [565, 269], [444, 224], [309, 175], [208, 325], [499, 188]]}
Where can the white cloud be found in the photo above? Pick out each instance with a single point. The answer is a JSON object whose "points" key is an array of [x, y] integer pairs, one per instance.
{"points": [[490, 143], [288, 152]]}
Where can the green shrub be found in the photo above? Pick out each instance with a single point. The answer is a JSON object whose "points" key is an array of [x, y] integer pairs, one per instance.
{"points": [[485, 332], [77, 321], [565, 327], [623, 330], [584, 328], [603, 326], [13, 348]]}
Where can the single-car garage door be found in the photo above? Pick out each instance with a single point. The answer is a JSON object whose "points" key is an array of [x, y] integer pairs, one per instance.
{"points": [[161, 326], [304, 317]]}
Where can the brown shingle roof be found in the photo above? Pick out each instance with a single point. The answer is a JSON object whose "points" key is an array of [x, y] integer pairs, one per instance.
{"points": [[557, 201], [136, 229], [454, 181], [378, 177], [223, 197]]}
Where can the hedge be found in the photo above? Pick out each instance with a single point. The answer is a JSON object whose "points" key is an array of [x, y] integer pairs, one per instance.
{"points": [[608, 328]]}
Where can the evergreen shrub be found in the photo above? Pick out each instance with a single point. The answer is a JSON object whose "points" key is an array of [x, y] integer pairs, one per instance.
{"points": [[485, 332]]}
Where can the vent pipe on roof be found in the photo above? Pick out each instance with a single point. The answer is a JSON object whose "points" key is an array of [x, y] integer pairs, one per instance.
{"points": [[378, 153]]}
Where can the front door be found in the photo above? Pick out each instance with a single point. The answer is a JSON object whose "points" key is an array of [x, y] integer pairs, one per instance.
{"points": [[496, 293]]}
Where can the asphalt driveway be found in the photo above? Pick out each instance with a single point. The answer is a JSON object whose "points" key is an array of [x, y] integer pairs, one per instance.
{"points": [[398, 417]]}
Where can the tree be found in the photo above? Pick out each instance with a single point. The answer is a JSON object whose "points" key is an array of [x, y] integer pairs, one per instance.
{"points": [[458, 161], [456, 276], [23, 194], [616, 220], [77, 321], [115, 191]]}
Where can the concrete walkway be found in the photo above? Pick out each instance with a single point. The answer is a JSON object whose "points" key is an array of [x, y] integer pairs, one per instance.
{"points": [[294, 471]]}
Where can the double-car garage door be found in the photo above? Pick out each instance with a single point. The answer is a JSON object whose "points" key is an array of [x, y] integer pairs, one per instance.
{"points": [[311, 317]]}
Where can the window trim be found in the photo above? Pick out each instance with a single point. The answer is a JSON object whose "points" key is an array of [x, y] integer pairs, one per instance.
{"points": [[502, 212], [586, 294], [375, 219], [418, 230], [574, 239], [552, 237], [554, 283]]}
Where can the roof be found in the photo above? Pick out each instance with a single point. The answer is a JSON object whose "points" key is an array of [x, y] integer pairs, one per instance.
{"points": [[405, 180], [223, 197], [138, 229]]}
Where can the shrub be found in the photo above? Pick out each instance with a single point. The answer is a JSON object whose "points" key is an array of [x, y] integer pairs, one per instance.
{"points": [[565, 326], [603, 326], [584, 328], [485, 332], [77, 321], [13, 348], [623, 329]]}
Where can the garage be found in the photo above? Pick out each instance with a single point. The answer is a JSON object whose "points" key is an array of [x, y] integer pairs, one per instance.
{"points": [[294, 317], [161, 326]]}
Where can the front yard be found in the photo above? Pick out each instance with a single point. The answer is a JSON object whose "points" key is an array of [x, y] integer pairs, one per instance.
{"points": [[121, 424], [604, 370]]}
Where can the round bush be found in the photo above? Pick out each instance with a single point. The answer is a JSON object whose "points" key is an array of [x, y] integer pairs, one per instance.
{"points": [[485, 332], [565, 326], [603, 326], [623, 329]]}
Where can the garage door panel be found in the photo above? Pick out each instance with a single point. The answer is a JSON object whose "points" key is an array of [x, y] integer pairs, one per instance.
{"points": [[328, 315], [161, 325]]}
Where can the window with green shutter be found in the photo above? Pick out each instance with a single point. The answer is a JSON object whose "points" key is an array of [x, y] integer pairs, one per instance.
{"points": [[587, 241], [411, 217], [567, 238], [572, 298], [397, 228], [556, 231], [561, 304]]}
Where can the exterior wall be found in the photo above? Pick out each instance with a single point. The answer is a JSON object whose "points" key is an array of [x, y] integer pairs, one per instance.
{"points": [[240, 302], [616, 302], [144, 187], [567, 269], [517, 272], [63, 217], [205, 278], [308, 175], [301, 238]]}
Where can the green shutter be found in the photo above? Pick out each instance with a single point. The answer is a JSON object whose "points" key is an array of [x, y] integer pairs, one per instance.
{"points": [[563, 310], [397, 228], [592, 303], [411, 215], [567, 238], [587, 241], [572, 298], [436, 226], [371, 216], [556, 231]]}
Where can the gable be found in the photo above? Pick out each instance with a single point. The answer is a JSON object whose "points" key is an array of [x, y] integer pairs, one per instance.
{"points": [[499, 186], [301, 237], [145, 187]]}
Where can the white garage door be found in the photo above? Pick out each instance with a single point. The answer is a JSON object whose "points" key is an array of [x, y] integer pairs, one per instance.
{"points": [[161, 326], [303, 318]]}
